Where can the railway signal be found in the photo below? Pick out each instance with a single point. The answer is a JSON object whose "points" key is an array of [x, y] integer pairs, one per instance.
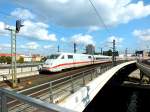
{"points": [[18, 26], [13, 51]]}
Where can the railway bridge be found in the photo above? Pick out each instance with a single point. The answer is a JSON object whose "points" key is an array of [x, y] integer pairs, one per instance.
{"points": [[70, 93]]}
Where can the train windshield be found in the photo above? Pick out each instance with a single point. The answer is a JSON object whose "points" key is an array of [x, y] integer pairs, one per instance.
{"points": [[53, 56]]}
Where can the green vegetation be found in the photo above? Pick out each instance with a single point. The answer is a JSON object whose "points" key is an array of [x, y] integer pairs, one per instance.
{"points": [[109, 53], [5, 59], [21, 60]]}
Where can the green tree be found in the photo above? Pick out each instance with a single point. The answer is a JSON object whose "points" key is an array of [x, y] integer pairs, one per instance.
{"points": [[8, 60], [3, 59], [108, 53], [21, 60]]}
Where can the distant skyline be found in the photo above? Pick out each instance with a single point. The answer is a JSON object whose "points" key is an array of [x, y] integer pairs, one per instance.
{"points": [[49, 23]]}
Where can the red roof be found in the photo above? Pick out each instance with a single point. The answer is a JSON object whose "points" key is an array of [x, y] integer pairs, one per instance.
{"points": [[4, 54]]}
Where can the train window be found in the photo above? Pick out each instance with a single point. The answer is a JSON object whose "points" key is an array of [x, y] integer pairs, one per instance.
{"points": [[62, 57], [53, 56], [89, 57], [101, 58], [70, 56]]}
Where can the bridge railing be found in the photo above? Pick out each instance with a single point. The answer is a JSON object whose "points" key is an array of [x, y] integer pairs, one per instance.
{"points": [[31, 103]]}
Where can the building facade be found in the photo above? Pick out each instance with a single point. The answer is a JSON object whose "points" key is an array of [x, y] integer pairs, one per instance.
{"points": [[90, 49]]}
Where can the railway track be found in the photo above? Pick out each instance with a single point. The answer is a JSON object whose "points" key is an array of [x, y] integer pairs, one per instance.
{"points": [[146, 62], [30, 81]]}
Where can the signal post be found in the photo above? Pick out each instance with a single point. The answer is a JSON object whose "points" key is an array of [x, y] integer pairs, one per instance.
{"points": [[13, 51]]}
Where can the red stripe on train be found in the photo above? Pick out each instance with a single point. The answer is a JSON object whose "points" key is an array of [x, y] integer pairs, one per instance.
{"points": [[64, 64]]}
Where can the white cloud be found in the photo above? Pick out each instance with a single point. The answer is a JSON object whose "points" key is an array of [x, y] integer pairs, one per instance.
{"points": [[2, 26], [3, 32], [22, 14], [30, 45], [93, 28], [79, 13], [142, 34], [63, 39], [37, 30], [47, 46], [117, 39], [32, 30], [82, 39], [5, 45]]}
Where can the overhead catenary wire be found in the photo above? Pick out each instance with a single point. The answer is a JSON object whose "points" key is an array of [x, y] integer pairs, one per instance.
{"points": [[99, 16], [101, 20]]}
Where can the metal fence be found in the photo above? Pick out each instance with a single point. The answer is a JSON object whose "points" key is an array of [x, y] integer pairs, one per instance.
{"points": [[5, 71], [3, 66]]}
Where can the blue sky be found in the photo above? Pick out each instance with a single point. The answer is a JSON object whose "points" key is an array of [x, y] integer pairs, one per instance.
{"points": [[49, 23]]}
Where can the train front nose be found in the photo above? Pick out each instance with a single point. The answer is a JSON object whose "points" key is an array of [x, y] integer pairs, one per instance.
{"points": [[47, 65]]}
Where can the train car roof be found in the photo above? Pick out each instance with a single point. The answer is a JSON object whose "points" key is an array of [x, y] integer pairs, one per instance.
{"points": [[102, 55], [67, 53]]}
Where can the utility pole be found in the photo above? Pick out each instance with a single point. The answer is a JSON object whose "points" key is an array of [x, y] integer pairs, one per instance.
{"points": [[13, 51], [13, 56], [114, 54], [126, 51], [75, 49], [58, 50], [101, 50]]}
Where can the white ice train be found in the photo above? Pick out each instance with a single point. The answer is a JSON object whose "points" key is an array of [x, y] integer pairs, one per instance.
{"points": [[60, 61]]}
